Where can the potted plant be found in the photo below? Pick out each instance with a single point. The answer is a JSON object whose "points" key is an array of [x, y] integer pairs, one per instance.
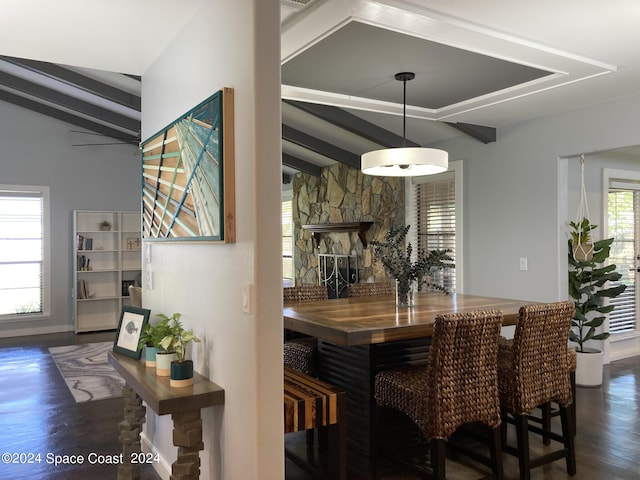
{"points": [[177, 340], [581, 239], [104, 226], [150, 339], [165, 354], [396, 256], [589, 287]]}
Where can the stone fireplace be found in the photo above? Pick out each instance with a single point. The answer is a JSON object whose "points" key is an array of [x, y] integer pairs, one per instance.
{"points": [[343, 195]]}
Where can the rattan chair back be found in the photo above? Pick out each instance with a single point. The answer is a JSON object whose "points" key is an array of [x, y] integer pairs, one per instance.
{"points": [[537, 370], [459, 384], [304, 293], [371, 289]]}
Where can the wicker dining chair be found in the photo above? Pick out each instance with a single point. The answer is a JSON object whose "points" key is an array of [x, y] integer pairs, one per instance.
{"points": [[371, 289], [534, 370], [458, 386], [300, 352]]}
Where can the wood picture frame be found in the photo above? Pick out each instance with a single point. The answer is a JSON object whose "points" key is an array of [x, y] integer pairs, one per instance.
{"points": [[130, 327], [188, 175]]}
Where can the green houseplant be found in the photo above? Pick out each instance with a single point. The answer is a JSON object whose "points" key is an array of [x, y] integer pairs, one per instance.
{"points": [[150, 339], [396, 254], [177, 340], [589, 287]]}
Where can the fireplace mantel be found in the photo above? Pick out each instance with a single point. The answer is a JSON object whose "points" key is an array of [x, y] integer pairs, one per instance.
{"points": [[321, 228]]}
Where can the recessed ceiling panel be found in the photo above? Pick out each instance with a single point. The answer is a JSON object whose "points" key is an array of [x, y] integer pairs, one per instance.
{"points": [[361, 60]]}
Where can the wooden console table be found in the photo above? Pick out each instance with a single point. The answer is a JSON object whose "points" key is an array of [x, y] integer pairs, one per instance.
{"points": [[183, 404]]}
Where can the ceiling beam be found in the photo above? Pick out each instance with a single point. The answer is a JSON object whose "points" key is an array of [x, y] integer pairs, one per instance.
{"points": [[78, 80], [479, 132], [320, 146], [67, 117], [301, 165], [69, 102], [352, 123]]}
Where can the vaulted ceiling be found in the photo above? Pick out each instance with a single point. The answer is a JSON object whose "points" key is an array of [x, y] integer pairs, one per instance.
{"points": [[480, 66]]}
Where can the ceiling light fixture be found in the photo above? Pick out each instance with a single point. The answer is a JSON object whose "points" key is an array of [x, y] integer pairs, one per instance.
{"points": [[405, 161]]}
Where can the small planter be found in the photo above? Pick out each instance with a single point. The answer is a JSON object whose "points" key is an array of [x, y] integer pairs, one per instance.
{"points": [[150, 356], [583, 252], [589, 368], [163, 363], [181, 374]]}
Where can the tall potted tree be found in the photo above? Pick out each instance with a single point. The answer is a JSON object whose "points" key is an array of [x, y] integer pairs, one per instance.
{"points": [[589, 287]]}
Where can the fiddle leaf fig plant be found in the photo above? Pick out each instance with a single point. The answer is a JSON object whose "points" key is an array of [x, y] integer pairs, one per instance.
{"points": [[178, 337], [589, 286]]}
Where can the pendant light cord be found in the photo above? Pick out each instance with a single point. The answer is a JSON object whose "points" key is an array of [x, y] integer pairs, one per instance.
{"points": [[404, 114]]}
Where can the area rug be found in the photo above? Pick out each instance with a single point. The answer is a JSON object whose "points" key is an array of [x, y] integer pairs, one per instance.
{"points": [[87, 372]]}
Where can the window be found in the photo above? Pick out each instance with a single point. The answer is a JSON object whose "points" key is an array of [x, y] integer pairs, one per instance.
{"points": [[624, 226], [435, 215], [24, 212], [287, 241]]}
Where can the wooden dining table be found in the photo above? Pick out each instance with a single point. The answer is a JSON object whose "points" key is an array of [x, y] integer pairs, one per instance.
{"points": [[360, 336]]}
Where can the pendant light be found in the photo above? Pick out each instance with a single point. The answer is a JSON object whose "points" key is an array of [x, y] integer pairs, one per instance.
{"points": [[405, 161]]}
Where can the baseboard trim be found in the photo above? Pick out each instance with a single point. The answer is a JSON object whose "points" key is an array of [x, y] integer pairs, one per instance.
{"points": [[162, 467]]}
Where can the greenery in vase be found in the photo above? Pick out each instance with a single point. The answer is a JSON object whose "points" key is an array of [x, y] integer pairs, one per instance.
{"points": [[178, 337], [153, 334], [396, 254], [589, 287]]}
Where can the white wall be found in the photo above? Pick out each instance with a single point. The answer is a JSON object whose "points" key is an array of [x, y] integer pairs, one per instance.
{"points": [[225, 46], [519, 199], [36, 150]]}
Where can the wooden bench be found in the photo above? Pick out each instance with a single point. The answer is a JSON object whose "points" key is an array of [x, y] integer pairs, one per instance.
{"points": [[310, 403]]}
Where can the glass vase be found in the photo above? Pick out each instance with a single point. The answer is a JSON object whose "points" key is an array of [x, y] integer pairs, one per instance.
{"points": [[405, 290]]}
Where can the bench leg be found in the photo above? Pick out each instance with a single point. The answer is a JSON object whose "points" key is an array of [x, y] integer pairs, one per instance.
{"points": [[338, 442]]}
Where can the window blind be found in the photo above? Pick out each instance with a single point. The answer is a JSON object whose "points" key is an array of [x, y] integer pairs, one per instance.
{"points": [[624, 226], [436, 222], [287, 240]]}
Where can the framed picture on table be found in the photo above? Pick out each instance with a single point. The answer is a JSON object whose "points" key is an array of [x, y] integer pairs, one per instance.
{"points": [[132, 322]]}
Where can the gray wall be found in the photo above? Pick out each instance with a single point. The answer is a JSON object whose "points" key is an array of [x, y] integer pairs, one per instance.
{"points": [[36, 150], [519, 195]]}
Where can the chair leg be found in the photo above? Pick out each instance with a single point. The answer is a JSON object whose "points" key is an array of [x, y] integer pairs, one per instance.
{"points": [[522, 434], [546, 421], [438, 455], [572, 377], [377, 444], [567, 434], [310, 437], [503, 426], [495, 449]]}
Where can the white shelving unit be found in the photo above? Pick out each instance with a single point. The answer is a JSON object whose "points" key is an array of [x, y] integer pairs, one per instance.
{"points": [[104, 263]]}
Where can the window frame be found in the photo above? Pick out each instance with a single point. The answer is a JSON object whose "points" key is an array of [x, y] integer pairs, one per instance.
{"points": [[411, 213], [44, 193], [287, 196]]}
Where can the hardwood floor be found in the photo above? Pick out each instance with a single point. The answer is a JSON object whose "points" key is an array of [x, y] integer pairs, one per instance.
{"points": [[39, 415], [607, 440]]}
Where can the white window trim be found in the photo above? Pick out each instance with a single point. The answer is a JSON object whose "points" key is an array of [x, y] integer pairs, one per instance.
{"points": [[46, 259], [616, 347], [455, 168]]}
